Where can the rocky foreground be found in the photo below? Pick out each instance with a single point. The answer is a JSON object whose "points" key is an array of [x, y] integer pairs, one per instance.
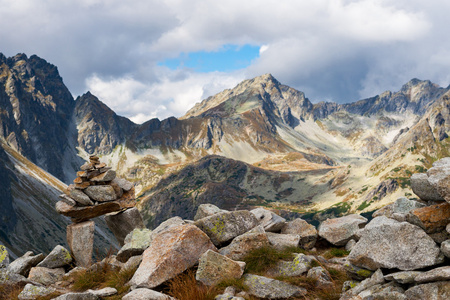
{"points": [[402, 253]]}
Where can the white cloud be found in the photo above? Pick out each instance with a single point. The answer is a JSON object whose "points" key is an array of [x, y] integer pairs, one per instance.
{"points": [[331, 49], [172, 95]]}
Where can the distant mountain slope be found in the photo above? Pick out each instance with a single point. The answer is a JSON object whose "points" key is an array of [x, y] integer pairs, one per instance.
{"points": [[231, 184], [358, 155]]}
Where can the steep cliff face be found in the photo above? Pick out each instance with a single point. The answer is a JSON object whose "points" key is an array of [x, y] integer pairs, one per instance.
{"points": [[36, 110], [100, 130]]}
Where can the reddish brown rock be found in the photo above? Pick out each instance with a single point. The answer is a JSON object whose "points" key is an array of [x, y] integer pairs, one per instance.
{"points": [[432, 218], [78, 180], [82, 186], [82, 174]]}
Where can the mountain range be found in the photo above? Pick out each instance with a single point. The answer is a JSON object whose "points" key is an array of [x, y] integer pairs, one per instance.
{"points": [[259, 143]]}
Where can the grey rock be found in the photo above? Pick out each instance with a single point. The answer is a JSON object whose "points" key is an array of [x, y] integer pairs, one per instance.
{"points": [[124, 222], [101, 193], [206, 210], [228, 297], [439, 237], [77, 296], [4, 257], [439, 178], [438, 274], [66, 199], [404, 205], [123, 183], [399, 217], [103, 177], [105, 292], [59, 257], [146, 294], [225, 226], [80, 197], [46, 276], [299, 265], [350, 244], [267, 288], [23, 264], [339, 231], [386, 211], [349, 284], [423, 189], [445, 248], [447, 228], [214, 268], [307, 232], [80, 237], [171, 252], [433, 291], [404, 277], [31, 292], [281, 241], [443, 162], [376, 278], [133, 262], [387, 243], [9, 277], [135, 244], [270, 221], [322, 277], [245, 243]]}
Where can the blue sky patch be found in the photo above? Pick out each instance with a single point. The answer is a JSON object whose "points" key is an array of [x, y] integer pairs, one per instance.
{"points": [[227, 58]]}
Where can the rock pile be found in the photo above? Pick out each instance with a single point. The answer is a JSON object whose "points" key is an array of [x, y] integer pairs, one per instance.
{"points": [[402, 253], [95, 192]]}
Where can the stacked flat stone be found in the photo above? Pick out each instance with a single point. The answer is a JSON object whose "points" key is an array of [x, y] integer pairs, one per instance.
{"points": [[96, 191]]}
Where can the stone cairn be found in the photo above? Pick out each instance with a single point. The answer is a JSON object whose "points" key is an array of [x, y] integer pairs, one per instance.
{"points": [[95, 192]]}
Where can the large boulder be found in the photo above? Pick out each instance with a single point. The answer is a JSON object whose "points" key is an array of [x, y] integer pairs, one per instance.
{"points": [[59, 257], [243, 244], [225, 226], [339, 231], [431, 218], [422, 188], [435, 291], [439, 178], [269, 220], [387, 243], [124, 222], [214, 268], [170, 253], [23, 264], [268, 288], [306, 231]]}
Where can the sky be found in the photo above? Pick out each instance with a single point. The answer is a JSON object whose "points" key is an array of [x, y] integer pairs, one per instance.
{"points": [[157, 58]]}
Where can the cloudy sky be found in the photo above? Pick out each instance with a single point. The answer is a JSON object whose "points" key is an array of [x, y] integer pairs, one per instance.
{"points": [[157, 58]]}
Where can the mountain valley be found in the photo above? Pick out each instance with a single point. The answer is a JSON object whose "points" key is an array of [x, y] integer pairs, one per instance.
{"points": [[261, 143]]}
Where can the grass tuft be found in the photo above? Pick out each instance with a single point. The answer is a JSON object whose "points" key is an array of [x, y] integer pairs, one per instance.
{"points": [[186, 287], [262, 259], [335, 252], [11, 291]]}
